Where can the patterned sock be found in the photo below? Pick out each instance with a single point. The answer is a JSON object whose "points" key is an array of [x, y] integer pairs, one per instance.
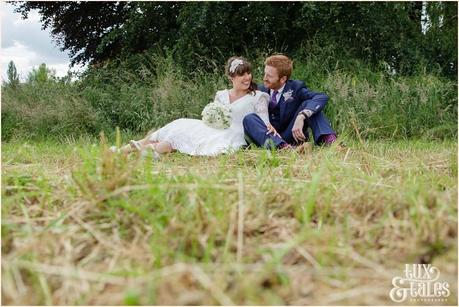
{"points": [[328, 139]]}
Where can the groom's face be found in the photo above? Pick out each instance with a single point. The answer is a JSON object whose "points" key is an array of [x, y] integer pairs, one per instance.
{"points": [[271, 78]]}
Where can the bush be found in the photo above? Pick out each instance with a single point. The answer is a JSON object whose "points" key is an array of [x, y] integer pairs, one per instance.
{"points": [[149, 90], [419, 106], [52, 110]]}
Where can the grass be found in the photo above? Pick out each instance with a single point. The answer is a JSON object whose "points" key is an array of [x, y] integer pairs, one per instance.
{"points": [[83, 226]]}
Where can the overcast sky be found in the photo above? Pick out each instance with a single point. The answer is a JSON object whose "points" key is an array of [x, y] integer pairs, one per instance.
{"points": [[27, 45]]}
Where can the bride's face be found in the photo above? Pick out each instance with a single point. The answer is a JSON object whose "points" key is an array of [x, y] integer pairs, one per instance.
{"points": [[242, 82]]}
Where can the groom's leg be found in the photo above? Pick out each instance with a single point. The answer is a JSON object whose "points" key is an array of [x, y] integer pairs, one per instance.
{"points": [[321, 128], [256, 129], [287, 134]]}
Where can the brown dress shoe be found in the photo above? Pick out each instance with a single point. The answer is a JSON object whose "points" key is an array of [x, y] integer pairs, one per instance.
{"points": [[304, 148]]}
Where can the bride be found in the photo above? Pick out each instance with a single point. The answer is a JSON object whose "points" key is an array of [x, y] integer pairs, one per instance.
{"points": [[194, 137]]}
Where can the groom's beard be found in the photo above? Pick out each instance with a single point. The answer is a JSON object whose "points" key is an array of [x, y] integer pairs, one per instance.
{"points": [[273, 85]]}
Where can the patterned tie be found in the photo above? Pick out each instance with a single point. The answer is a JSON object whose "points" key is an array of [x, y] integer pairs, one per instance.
{"points": [[273, 101]]}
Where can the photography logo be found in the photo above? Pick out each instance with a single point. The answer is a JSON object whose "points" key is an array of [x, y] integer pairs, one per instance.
{"points": [[420, 283]]}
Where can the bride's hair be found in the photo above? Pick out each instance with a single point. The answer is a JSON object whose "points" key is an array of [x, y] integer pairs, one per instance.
{"points": [[239, 70]]}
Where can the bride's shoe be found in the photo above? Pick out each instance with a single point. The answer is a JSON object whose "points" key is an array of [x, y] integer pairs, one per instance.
{"points": [[135, 145], [114, 149], [146, 150]]}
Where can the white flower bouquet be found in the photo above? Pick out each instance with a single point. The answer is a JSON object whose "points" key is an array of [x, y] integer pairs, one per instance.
{"points": [[216, 115]]}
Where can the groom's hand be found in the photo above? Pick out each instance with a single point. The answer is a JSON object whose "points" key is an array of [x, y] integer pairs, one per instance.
{"points": [[297, 130], [271, 129]]}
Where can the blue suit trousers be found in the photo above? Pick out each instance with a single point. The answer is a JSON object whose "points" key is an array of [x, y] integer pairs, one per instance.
{"points": [[255, 129]]}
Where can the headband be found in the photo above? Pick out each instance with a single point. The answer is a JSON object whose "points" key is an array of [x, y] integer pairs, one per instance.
{"points": [[234, 64]]}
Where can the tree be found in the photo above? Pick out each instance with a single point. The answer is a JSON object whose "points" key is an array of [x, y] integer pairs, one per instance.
{"points": [[96, 31], [213, 31], [440, 41], [372, 31], [202, 33], [41, 75], [13, 77]]}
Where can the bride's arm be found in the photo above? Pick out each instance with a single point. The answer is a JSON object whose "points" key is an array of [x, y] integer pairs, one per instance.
{"points": [[261, 107], [217, 98]]}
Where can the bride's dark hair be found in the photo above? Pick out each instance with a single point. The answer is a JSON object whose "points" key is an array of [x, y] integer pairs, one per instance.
{"points": [[241, 69]]}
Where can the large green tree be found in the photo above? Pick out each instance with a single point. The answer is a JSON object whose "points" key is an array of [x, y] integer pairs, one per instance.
{"points": [[201, 33], [440, 41], [374, 31], [96, 31]]}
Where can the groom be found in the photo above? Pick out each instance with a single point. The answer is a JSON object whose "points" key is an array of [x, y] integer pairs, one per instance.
{"points": [[292, 109]]}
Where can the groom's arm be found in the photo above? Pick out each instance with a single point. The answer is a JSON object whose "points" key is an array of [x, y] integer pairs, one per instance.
{"points": [[311, 102]]}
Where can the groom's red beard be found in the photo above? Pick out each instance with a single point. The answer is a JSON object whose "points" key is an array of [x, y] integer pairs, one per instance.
{"points": [[272, 85]]}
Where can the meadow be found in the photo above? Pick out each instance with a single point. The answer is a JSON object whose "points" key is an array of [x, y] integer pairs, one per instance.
{"points": [[81, 225], [331, 226]]}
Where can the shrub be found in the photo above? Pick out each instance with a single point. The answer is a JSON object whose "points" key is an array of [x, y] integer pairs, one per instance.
{"points": [[150, 90], [51, 110]]}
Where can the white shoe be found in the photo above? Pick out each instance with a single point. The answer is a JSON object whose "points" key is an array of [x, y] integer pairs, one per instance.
{"points": [[135, 144], [150, 148], [114, 149]]}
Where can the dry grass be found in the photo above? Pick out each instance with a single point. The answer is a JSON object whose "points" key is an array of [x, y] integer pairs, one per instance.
{"points": [[82, 226]]}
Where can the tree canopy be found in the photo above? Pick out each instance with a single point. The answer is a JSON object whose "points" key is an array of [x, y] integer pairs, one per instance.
{"points": [[198, 33]]}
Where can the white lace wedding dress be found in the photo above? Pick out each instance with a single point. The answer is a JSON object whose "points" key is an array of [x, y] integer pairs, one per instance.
{"points": [[193, 137]]}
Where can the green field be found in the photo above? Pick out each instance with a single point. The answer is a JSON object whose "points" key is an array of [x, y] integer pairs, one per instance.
{"points": [[83, 226]]}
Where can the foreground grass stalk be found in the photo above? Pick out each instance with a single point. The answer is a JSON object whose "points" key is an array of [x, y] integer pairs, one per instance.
{"points": [[240, 227]]}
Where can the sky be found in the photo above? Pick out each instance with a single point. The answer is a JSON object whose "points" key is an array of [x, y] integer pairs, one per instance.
{"points": [[27, 45]]}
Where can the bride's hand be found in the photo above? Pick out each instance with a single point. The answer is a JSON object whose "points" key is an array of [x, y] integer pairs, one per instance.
{"points": [[271, 129]]}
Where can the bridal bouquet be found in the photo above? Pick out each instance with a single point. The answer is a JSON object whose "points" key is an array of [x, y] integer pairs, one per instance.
{"points": [[216, 115]]}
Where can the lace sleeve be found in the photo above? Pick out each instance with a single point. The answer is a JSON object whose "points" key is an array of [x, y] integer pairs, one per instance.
{"points": [[218, 97], [261, 107]]}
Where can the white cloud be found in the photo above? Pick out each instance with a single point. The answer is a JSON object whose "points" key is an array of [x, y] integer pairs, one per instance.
{"points": [[27, 59], [27, 45], [21, 55]]}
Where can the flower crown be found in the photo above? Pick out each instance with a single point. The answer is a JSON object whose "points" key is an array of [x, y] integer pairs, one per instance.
{"points": [[234, 64]]}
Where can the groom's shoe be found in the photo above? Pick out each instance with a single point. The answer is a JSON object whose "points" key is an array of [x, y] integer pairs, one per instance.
{"points": [[304, 148], [285, 146], [340, 147], [331, 141]]}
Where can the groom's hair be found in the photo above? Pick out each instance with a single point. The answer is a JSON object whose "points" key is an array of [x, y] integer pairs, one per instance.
{"points": [[282, 63]]}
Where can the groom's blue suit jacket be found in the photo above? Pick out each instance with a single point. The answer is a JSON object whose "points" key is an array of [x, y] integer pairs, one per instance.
{"points": [[300, 98]]}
